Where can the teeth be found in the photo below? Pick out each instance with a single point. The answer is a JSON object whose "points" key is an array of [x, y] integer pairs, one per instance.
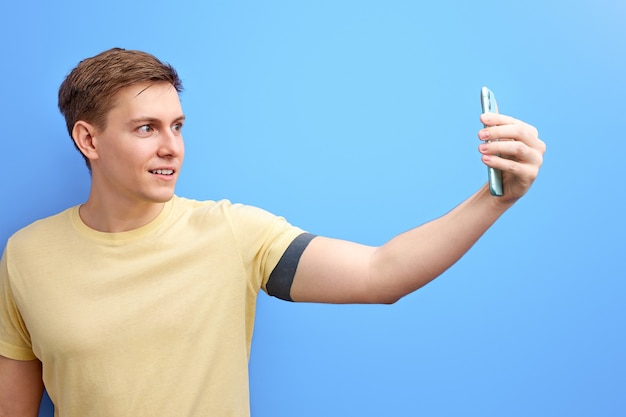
{"points": [[163, 171]]}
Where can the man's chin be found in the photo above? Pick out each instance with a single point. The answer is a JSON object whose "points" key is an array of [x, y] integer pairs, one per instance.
{"points": [[162, 197]]}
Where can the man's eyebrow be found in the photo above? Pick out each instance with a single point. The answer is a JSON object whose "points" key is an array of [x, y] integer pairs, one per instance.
{"points": [[149, 119]]}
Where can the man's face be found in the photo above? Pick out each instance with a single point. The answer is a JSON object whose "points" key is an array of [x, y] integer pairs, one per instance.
{"points": [[141, 151]]}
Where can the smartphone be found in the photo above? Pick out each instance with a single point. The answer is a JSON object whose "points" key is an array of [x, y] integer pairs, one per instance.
{"points": [[490, 105]]}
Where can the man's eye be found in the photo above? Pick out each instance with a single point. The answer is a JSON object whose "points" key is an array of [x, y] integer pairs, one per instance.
{"points": [[177, 127], [144, 129]]}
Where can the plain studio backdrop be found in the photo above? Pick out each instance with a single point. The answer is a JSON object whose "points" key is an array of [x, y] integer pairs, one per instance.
{"points": [[358, 120]]}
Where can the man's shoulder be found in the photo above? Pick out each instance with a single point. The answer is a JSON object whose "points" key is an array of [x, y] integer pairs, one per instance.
{"points": [[222, 206], [46, 227], [222, 211]]}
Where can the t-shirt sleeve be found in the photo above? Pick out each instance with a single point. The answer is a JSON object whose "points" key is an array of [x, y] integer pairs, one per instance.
{"points": [[15, 340], [270, 247]]}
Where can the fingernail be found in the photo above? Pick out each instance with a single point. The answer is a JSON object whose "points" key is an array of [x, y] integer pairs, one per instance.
{"points": [[484, 147], [484, 134]]}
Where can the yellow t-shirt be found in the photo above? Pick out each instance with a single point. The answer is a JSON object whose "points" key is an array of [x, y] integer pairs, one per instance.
{"points": [[156, 321]]}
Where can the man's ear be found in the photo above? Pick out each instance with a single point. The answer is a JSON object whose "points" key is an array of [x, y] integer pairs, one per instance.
{"points": [[84, 138]]}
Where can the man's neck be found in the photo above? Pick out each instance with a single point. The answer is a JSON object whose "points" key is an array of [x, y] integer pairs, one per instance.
{"points": [[119, 217]]}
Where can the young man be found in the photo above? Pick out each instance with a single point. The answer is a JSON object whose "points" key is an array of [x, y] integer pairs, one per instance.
{"points": [[140, 302]]}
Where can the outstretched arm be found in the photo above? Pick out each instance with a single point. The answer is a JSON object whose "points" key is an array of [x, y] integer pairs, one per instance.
{"points": [[337, 271]]}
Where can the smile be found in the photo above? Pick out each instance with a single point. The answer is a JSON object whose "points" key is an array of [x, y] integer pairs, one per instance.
{"points": [[162, 171]]}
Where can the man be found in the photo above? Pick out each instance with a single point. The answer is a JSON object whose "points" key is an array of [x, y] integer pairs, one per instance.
{"points": [[140, 302]]}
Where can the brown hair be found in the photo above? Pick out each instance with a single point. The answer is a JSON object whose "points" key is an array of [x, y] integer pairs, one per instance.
{"points": [[88, 92]]}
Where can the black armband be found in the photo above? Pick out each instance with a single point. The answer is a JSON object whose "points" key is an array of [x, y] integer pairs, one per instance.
{"points": [[281, 278]]}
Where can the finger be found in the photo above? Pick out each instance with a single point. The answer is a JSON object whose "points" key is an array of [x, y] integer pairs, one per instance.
{"points": [[497, 119], [519, 131], [524, 172], [513, 150]]}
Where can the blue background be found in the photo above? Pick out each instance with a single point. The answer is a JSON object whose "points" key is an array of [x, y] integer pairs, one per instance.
{"points": [[358, 120]]}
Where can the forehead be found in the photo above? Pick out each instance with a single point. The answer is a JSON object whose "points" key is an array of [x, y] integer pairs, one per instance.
{"points": [[154, 100]]}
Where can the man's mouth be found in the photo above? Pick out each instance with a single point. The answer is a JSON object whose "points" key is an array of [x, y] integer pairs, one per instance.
{"points": [[162, 171]]}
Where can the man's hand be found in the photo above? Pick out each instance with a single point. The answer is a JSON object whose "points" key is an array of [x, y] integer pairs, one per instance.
{"points": [[520, 149]]}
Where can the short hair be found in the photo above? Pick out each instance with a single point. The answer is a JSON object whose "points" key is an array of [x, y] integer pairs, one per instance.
{"points": [[88, 92]]}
